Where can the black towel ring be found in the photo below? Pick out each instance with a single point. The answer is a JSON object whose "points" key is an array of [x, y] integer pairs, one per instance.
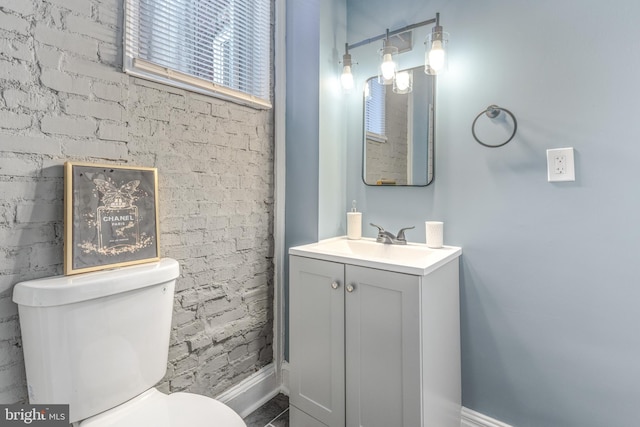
{"points": [[492, 112]]}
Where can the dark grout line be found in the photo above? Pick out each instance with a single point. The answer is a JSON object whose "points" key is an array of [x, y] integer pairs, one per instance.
{"points": [[278, 416], [261, 416]]}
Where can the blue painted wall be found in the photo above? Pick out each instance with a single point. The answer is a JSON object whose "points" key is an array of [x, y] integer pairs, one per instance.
{"points": [[550, 273], [302, 148], [316, 158], [332, 149], [302, 128]]}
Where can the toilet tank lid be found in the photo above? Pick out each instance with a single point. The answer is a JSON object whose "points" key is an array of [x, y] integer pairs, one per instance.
{"points": [[61, 290]]}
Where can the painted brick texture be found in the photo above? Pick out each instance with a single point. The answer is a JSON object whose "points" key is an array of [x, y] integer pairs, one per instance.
{"points": [[64, 97]]}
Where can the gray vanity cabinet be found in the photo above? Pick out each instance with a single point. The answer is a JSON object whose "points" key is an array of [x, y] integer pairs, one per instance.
{"points": [[382, 336], [316, 342], [357, 354]]}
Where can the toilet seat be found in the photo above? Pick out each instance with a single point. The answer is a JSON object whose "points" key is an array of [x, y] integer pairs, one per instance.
{"points": [[155, 409]]}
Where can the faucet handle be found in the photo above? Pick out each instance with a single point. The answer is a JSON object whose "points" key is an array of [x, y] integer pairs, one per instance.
{"points": [[401, 232], [383, 236], [380, 229]]}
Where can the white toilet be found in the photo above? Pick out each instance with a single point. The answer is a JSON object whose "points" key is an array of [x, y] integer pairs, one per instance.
{"points": [[99, 342]]}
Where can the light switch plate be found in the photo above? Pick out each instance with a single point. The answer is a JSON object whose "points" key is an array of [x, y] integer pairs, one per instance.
{"points": [[560, 165]]}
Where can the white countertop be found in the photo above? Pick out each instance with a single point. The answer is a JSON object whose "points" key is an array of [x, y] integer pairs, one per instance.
{"points": [[412, 258]]}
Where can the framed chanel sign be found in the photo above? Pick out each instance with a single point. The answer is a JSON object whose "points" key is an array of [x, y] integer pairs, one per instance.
{"points": [[110, 216]]}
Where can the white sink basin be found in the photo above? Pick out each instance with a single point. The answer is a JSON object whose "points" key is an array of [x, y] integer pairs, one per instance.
{"points": [[412, 258]]}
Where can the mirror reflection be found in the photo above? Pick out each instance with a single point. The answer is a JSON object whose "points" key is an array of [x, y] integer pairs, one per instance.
{"points": [[398, 130]]}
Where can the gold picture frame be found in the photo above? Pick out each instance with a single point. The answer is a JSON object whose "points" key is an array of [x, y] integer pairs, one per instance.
{"points": [[110, 216]]}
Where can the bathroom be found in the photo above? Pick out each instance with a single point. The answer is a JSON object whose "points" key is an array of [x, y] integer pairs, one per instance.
{"points": [[546, 280]]}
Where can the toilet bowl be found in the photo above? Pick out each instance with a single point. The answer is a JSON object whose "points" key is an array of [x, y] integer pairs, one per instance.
{"points": [[99, 342]]}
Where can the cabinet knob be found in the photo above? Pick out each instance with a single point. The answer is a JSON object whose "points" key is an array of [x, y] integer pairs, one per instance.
{"points": [[335, 285], [350, 288]]}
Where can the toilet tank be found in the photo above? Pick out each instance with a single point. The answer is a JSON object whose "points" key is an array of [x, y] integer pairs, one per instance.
{"points": [[96, 340]]}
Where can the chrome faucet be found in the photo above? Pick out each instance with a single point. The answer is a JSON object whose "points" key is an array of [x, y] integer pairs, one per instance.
{"points": [[388, 238]]}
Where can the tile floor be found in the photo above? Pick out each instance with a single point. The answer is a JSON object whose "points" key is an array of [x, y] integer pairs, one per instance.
{"points": [[274, 413]]}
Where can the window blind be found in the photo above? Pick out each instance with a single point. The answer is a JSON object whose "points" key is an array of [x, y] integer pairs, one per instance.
{"points": [[375, 109], [218, 47]]}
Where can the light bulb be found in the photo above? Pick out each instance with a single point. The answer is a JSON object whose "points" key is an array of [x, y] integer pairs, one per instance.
{"points": [[436, 56], [402, 81], [388, 67], [346, 78]]}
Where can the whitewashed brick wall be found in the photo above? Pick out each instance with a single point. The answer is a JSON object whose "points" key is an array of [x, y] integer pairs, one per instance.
{"points": [[64, 97]]}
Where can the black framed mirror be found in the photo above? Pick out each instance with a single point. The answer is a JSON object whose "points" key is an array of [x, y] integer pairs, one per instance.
{"points": [[398, 130]]}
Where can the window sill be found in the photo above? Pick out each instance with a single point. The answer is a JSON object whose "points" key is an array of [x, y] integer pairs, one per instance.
{"points": [[157, 73]]}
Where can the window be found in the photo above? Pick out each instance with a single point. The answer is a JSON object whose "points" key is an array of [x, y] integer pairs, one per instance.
{"points": [[374, 120], [217, 47]]}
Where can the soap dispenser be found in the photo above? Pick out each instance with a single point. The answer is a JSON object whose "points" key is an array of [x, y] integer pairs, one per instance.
{"points": [[354, 223]]}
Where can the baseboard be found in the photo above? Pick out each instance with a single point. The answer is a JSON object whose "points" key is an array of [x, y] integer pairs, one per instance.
{"points": [[259, 388], [285, 377], [475, 419], [252, 392]]}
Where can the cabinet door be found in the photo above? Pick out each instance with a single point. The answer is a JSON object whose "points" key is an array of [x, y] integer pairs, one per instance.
{"points": [[316, 349], [382, 324]]}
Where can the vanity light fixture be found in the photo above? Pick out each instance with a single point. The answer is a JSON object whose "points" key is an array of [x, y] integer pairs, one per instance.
{"points": [[387, 62], [435, 60], [347, 76], [403, 83], [435, 56]]}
